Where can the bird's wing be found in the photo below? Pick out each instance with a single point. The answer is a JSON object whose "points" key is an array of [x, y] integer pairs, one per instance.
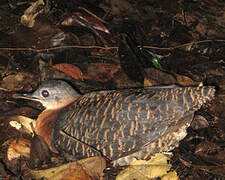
{"points": [[119, 121]]}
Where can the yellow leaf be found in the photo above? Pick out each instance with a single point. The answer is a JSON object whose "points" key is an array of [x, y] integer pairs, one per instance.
{"points": [[157, 166], [22, 121], [170, 176]]}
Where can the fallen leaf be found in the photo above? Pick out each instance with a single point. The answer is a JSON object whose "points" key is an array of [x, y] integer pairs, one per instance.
{"points": [[159, 77], [199, 122], [149, 82], [15, 124], [22, 122], [18, 148], [76, 173], [39, 152], [121, 80], [156, 63], [84, 169], [101, 72], [28, 19], [69, 69], [16, 82], [87, 21], [170, 176], [206, 147], [186, 81], [157, 166]]}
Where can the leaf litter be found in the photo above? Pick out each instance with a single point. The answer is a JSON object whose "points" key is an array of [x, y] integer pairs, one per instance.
{"points": [[115, 34]]}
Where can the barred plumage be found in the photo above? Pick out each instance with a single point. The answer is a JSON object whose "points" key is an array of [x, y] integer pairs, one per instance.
{"points": [[120, 124]]}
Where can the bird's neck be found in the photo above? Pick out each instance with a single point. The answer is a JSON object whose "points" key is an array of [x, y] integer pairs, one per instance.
{"points": [[45, 124]]}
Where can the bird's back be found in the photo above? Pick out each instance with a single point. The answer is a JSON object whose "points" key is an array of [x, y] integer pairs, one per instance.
{"points": [[121, 122]]}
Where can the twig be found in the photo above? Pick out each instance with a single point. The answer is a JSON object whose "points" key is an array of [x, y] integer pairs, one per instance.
{"points": [[100, 19], [107, 48]]}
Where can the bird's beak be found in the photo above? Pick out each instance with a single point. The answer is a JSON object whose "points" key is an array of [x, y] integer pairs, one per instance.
{"points": [[26, 96]]}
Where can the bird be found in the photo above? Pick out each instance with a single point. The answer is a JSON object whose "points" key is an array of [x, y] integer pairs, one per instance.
{"points": [[117, 124]]}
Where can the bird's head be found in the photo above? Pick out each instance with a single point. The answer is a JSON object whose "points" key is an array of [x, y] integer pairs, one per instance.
{"points": [[52, 94]]}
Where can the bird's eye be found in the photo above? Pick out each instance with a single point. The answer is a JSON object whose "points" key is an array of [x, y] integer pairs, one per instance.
{"points": [[45, 93]]}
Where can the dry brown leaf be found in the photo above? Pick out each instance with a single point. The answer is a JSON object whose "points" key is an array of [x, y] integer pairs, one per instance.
{"points": [[94, 166], [157, 166], [221, 96], [39, 152], [15, 82], [78, 18], [217, 170], [101, 72], [186, 81], [206, 147], [121, 80], [18, 148], [76, 173], [70, 70], [89, 168], [199, 122], [149, 82], [159, 77]]}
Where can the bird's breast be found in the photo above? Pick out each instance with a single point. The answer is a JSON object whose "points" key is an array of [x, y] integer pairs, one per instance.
{"points": [[45, 125]]}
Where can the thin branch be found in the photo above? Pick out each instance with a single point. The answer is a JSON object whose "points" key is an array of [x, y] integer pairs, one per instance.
{"points": [[55, 48], [108, 48]]}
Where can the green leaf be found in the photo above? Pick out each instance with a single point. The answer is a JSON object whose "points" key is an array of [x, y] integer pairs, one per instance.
{"points": [[156, 63]]}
